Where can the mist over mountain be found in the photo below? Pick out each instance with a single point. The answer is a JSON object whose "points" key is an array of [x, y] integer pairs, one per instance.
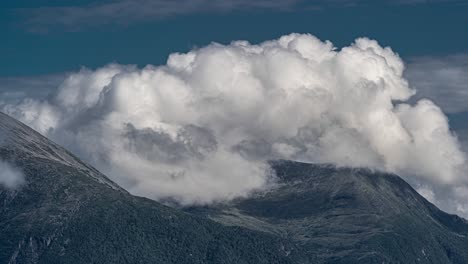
{"points": [[68, 212], [65, 211]]}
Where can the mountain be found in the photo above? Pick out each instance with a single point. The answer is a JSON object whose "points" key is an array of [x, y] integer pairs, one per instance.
{"points": [[343, 215], [68, 212]]}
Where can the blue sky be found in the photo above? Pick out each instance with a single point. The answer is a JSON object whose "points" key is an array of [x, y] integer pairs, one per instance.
{"points": [[44, 37], [43, 40]]}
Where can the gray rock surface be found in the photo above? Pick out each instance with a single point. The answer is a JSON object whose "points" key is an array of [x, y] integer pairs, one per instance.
{"points": [[343, 215]]}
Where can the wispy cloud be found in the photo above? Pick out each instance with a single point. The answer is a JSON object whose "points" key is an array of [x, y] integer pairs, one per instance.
{"points": [[443, 79], [16, 88], [125, 12], [10, 176]]}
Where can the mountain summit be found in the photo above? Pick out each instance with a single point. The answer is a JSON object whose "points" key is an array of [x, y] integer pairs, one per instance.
{"points": [[344, 215], [68, 212]]}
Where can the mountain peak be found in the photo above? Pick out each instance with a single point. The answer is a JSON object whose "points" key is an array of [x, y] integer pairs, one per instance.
{"points": [[19, 142], [347, 215], [68, 212]]}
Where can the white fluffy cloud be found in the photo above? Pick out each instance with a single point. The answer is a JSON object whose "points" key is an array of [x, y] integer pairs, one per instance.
{"points": [[10, 176], [200, 128]]}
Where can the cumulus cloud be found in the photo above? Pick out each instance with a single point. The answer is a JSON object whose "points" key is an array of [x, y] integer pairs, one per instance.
{"points": [[10, 176], [201, 128]]}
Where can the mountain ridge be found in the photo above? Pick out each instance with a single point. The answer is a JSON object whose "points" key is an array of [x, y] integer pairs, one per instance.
{"points": [[68, 212], [342, 215]]}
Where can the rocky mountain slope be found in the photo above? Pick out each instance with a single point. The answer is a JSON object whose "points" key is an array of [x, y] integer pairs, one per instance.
{"points": [[349, 216], [68, 212]]}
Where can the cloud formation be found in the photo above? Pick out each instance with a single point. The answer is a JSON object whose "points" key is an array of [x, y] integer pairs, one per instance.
{"points": [[201, 128], [10, 176], [441, 79], [125, 12], [13, 89]]}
